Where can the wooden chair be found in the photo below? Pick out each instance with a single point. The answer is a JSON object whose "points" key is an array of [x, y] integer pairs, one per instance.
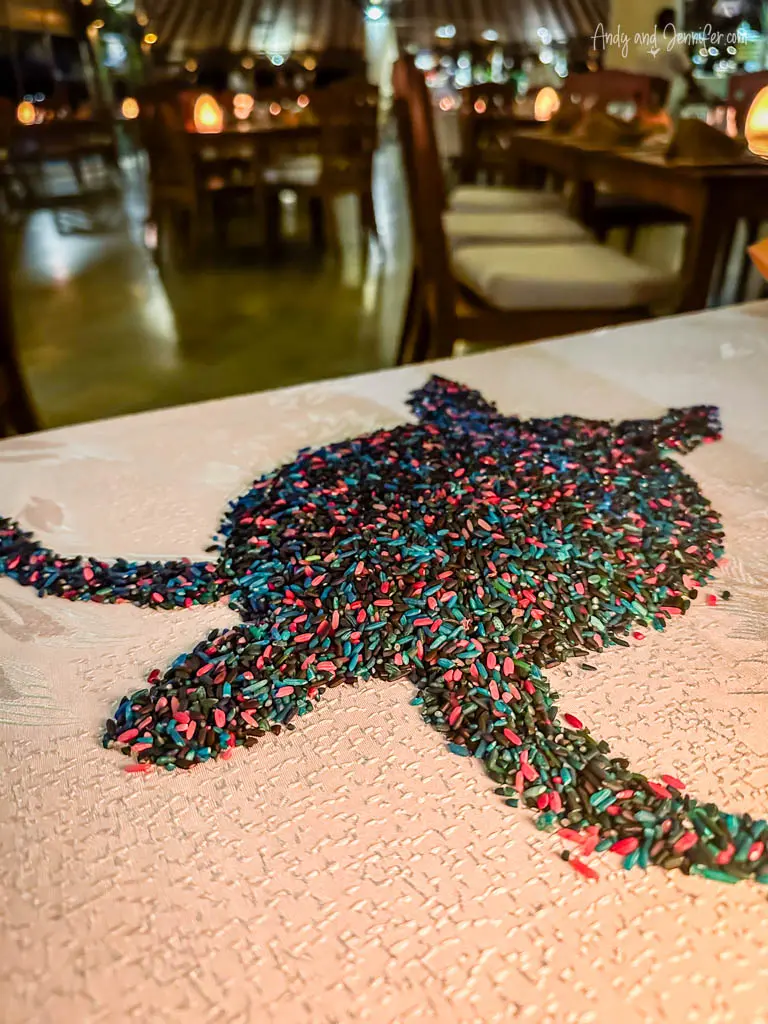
{"points": [[175, 206], [501, 294], [9, 185], [487, 119], [17, 413], [593, 93], [289, 160], [336, 65], [469, 197], [597, 89], [87, 147], [336, 160], [192, 191], [348, 112]]}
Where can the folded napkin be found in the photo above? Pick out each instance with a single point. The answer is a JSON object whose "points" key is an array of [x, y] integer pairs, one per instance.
{"points": [[696, 140], [601, 129], [566, 119]]}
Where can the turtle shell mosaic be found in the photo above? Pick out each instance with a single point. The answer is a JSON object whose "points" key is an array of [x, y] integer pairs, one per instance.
{"points": [[469, 552]]}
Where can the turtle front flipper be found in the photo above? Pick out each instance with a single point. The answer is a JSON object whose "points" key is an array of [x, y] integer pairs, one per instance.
{"points": [[175, 584], [228, 691], [679, 429]]}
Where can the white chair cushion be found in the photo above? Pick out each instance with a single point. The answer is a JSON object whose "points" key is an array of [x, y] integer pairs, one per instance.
{"points": [[490, 199], [587, 276], [463, 229]]}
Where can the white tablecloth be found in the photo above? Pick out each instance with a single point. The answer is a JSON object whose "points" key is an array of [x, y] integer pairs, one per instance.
{"points": [[354, 870]]}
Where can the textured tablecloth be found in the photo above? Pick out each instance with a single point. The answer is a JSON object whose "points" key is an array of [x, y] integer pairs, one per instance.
{"points": [[354, 870]]}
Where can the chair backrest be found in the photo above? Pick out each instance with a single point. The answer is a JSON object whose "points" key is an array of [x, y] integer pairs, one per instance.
{"points": [[333, 66], [351, 100], [348, 115], [597, 89], [427, 194], [165, 140], [488, 119], [347, 152], [419, 104], [491, 99]]}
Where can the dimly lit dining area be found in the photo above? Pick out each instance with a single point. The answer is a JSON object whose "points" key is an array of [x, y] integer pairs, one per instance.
{"points": [[201, 199], [383, 511]]}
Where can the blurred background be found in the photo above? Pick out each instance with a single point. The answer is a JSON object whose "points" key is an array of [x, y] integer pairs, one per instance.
{"points": [[206, 197]]}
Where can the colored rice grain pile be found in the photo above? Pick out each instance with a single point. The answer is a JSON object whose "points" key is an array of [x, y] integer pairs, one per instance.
{"points": [[469, 552]]}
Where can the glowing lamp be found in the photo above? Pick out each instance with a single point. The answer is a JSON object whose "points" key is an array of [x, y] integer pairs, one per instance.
{"points": [[481, 106], [275, 108], [243, 104], [546, 104], [756, 127], [208, 116], [303, 101], [26, 113], [129, 108]]}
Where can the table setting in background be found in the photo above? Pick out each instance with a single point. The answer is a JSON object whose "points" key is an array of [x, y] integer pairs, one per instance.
{"points": [[711, 190], [214, 157], [349, 865]]}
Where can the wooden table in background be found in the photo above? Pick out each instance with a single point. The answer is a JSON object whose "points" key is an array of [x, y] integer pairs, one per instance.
{"points": [[713, 196]]}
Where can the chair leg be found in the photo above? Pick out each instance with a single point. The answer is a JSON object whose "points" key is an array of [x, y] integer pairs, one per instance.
{"points": [[724, 259], [368, 213], [410, 321], [220, 228], [423, 337], [753, 230], [22, 413], [631, 239], [321, 216], [273, 235], [19, 410], [416, 339]]}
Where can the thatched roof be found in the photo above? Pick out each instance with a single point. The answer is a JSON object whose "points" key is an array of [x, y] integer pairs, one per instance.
{"points": [[290, 26]]}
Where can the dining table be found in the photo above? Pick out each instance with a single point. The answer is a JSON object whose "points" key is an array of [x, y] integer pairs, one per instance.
{"points": [[87, 147], [353, 869], [713, 194]]}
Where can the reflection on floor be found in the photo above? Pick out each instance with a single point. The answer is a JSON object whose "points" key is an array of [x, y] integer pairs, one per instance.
{"points": [[101, 334]]}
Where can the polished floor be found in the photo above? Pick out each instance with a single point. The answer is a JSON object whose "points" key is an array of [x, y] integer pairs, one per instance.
{"points": [[102, 333]]}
